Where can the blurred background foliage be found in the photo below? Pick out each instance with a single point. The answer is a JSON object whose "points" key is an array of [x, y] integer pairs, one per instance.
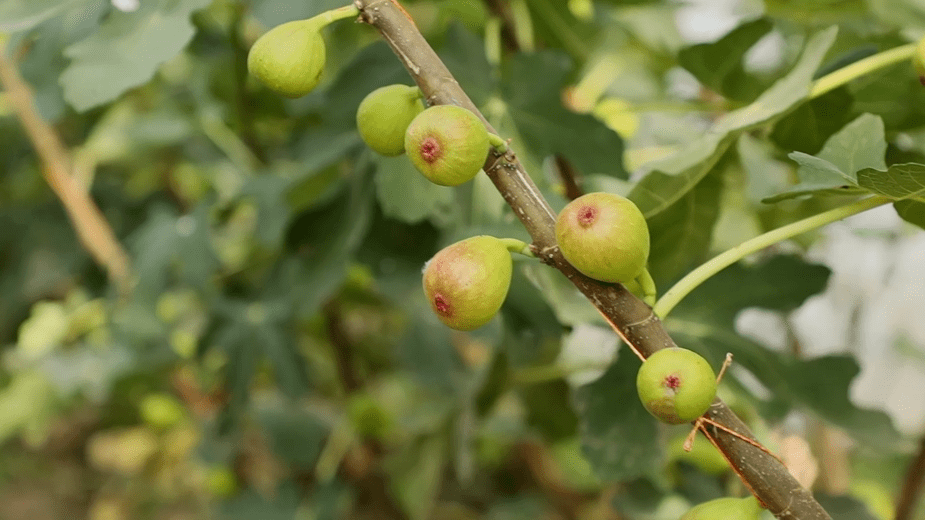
{"points": [[276, 358]]}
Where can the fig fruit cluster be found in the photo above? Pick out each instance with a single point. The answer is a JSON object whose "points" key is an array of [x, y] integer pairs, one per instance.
{"points": [[448, 144], [676, 385], [467, 282]]}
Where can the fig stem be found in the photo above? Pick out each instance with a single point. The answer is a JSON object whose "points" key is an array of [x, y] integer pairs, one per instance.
{"points": [[723, 260], [722, 370], [833, 80], [497, 142], [333, 15], [517, 246], [647, 284]]}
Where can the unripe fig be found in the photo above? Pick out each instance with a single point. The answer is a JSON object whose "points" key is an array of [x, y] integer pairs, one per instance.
{"points": [[604, 236], [466, 282], [448, 144], [726, 509], [676, 385], [384, 115], [289, 58]]}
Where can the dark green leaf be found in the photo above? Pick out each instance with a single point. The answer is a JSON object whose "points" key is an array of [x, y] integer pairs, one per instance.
{"points": [[681, 235], [912, 211], [296, 436], [546, 127], [618, 435], [719, 65], [671, 178]]}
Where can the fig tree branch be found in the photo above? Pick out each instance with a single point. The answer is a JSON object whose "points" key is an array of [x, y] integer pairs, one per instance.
{"points": [[91, 226], [912, 486], [632, 319]]}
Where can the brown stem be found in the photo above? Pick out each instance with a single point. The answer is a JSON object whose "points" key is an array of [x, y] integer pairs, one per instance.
{"points": [[500, 9], [630, 317], [569, 178], [912, 486], [91, 226]]}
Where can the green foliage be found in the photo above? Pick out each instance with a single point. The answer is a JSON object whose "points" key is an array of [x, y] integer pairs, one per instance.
{"points": [[277, 357]]}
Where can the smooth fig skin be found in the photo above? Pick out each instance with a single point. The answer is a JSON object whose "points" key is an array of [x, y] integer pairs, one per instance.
{"points": [[289, 58], [604, 236], [384, 115], [447, 144], [467, 282], [676, 385], [746, 508]]}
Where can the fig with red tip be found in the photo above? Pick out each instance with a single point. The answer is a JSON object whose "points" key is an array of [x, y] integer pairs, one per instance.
{"points": [[467, 282]]}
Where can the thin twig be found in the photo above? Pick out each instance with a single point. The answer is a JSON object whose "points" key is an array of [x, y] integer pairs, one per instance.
{"points": [[912, 485], [569, 178], [630, 317], [91, 226]]}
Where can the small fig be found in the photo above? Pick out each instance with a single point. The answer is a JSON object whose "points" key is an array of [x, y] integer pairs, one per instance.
{"points": [[448, 144], [604, 236], [676, 385], [728, 508], [289, 58], [466, 282], [384, 115]]}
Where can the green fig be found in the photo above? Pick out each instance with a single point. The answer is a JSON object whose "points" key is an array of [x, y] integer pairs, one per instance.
{"points": [[746, 508], [466, 282], [384, 115], [448, 144], [604, 236], [676, 385], [289, 58], [703, 455]]}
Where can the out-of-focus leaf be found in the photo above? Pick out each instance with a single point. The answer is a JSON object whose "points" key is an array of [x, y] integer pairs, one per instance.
{"points": [[280, 505], [464, 54], [893, 93], [407, 195], [275, 12], [169, 246], [296, 436], [546, 127], [22, 15], [671, 178], [330, 235], [719, 65], [704, 321], [126, 51], [859, 145], [618, 435], [415, 475], [844, 507]]}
